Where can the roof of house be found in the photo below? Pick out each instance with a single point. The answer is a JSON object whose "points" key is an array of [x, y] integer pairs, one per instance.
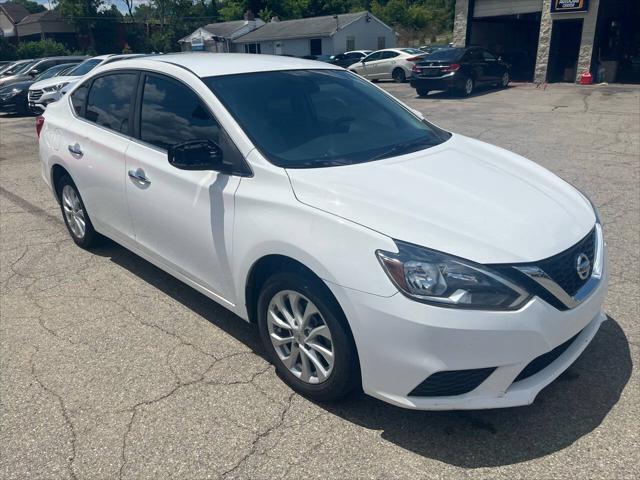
{"points": [[48, 21], [301, 28], [224, 29], [14, 11]]}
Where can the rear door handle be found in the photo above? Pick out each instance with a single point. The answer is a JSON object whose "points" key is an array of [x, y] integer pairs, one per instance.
{"points": [[75, 150], [138, 176]]}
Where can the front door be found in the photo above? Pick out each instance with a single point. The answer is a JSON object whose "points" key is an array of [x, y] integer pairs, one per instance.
{"points": [[182, 218]]}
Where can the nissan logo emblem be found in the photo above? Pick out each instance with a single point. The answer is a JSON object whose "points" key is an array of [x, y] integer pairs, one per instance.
{"points": [[583, 266]]}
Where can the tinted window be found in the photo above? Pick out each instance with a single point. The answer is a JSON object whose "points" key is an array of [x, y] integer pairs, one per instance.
{"points": [[386, 55], [446, 55], [412, 51], [171, 113], [373, 56], [51, 72], [110, 99], [488, 55], [322, 117], [78, 97], [86, 66]]}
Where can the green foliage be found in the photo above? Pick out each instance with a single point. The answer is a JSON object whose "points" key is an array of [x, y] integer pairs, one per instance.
{"points": [[41, 48], [30, 5], [8, 51]]}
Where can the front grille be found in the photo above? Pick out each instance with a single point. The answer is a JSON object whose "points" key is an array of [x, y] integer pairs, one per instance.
{"points": [[453, 382], [562, 267], [35, 95], [543, 361]]}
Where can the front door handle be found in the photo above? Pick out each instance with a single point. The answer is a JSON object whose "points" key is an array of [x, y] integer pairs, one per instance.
{"points": [[75, 150], [139, 176]]}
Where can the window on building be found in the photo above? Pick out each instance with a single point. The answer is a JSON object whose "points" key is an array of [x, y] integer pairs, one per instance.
{"points": [[382, 42], [252, 48], [171, 113], [315, 46], [351, 43], [109, 101]]}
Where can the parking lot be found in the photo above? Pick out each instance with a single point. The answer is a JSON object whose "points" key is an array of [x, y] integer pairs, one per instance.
{"points": [[110, 368]]}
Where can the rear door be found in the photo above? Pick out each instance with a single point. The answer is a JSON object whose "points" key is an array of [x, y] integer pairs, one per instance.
{"points": [[387, 64], [94, 147], [182, 218]]}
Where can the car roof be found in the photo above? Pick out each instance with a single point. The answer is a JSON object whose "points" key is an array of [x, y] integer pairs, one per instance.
{"points": [[214, 64]]}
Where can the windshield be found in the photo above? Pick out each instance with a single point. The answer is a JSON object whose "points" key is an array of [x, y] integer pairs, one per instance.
{"points": [[321, 118], [85, 67], [51, 72], [446, 54]]}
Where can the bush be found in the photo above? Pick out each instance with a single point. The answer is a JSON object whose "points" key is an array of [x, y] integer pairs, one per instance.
{"points": [[42, 48], [7, 50]]}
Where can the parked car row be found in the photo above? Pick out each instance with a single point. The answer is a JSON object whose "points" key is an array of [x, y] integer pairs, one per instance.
{"points": [[30, 85]]}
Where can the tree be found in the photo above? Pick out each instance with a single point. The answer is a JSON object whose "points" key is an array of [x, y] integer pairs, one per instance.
{"points": [[41, 48], [82, 13], [30, 5]]}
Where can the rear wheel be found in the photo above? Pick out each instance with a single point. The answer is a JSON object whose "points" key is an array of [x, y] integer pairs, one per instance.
{"points": [[75, 214], [398, 75], [306, 336], [468, 86], [422, 92]]}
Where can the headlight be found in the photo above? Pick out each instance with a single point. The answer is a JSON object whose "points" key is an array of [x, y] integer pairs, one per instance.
{"points": [[440, 279], [56, 88]]}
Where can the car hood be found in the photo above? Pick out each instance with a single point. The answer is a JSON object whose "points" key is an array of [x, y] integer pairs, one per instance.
{"points": [[463, 197], [50, 82], [19, 85]]}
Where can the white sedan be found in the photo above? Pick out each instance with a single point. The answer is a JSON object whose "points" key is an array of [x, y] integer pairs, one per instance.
{"points": [[371, 247], [388, 64]]}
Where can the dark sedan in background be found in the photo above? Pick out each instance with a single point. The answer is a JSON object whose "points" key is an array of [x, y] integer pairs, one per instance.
{"points": [[13, 98], [459, 70]]}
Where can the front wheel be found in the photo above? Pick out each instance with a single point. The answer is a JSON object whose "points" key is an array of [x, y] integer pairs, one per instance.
{"points": [[306, 336], [398, 75], [504, 81]]}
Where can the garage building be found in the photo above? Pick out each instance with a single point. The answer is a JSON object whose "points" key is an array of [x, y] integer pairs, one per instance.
{"points": [[556, 40]]}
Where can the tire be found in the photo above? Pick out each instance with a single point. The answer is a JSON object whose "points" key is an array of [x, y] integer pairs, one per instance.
{"points": [[398, 75], [422, 92], [504, 81], [303, 290], [74, 212], [468, 87]]}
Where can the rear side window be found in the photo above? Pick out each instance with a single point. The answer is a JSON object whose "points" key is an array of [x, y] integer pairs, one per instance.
{"points": [[79, 97], [171, 113], [110, 99]]}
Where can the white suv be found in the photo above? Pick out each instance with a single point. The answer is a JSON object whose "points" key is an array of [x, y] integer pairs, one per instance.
{"points": [[371, 247]]}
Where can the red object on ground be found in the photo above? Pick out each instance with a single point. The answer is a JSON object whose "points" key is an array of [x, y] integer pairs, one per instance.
{"points": [[39, 124], [586, 78]]}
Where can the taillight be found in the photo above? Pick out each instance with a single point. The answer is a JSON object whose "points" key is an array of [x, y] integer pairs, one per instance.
{"points": [[415, 68], [414, 59], [454, 67], [39, 124]]}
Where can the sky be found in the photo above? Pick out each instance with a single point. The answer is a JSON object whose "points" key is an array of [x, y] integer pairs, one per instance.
{"points": [[118, 3]]}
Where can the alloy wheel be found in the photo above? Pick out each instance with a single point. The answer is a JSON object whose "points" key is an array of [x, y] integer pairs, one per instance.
{"points": [[300, 336], [505, 79], [73, 211], [468, 86]]}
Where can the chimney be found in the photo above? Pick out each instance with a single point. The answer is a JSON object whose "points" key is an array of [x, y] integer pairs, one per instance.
{"points": [[249, 16], [275, 18]]}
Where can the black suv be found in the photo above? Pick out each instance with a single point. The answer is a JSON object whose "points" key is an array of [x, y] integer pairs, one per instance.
{"points": [[459, 70]]}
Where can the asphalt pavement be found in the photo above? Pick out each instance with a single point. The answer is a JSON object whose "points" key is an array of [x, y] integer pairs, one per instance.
{"points": [[110, 368]]}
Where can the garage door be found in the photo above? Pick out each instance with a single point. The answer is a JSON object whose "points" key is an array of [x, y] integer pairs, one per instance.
{"points": [[495, 8]]}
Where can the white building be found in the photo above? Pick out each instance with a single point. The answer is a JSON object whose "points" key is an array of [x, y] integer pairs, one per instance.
{"points": [[218, 37]]}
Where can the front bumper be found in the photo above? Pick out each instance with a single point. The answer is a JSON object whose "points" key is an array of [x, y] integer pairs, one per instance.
{"points": [[402, 342]]}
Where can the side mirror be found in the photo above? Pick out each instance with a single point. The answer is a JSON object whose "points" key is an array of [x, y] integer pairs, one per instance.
{"points": [[34, 72], [196, 155], [499, 59]]}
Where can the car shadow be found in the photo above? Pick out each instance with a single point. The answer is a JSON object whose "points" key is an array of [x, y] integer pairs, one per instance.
{"points": [[571, 407], [448, 94]]}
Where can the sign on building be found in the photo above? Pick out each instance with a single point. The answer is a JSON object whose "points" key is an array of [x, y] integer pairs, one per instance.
{"points": [[569, 6]]}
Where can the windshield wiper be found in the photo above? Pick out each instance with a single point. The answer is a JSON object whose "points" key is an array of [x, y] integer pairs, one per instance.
{"points": [[405, 147]]}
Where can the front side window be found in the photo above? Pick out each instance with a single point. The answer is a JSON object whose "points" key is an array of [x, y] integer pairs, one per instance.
{"points": [[171, 113], [373, 56], [322, 118], [488, 56], [110, 99], [389, 54]]}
